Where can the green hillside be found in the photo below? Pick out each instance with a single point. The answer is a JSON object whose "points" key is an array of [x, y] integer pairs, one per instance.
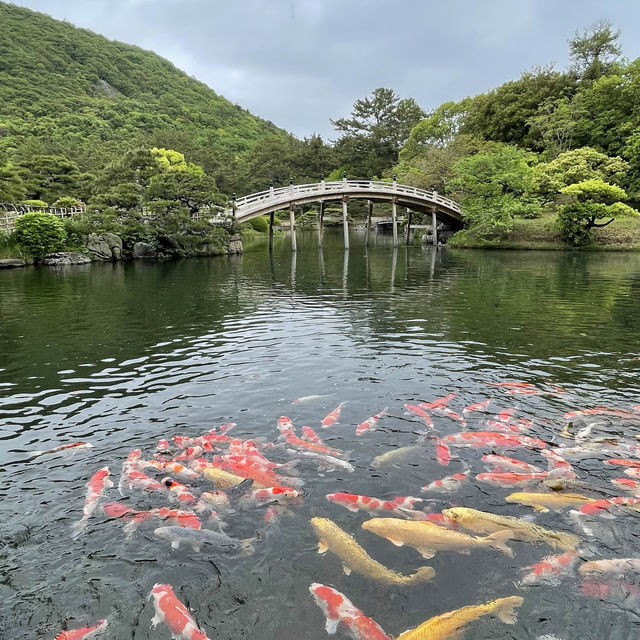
{"points": [[70, 92]]}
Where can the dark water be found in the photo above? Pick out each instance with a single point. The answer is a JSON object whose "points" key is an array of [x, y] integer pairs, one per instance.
{"points": [[121, 355]]}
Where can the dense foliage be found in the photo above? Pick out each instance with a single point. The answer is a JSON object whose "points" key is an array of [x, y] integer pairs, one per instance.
{"points": [[40, 233]]}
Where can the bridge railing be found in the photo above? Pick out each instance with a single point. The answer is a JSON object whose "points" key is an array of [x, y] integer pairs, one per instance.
{"points": [[291, 192]]}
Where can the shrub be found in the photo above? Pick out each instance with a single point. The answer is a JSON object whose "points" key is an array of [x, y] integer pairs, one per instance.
{"points": [[35, 203], [259, 224], [76, 228], [40, 233], [66, 202]]}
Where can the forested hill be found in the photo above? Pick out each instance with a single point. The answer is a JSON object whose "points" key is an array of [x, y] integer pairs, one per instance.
{"points": [[70, 92]]}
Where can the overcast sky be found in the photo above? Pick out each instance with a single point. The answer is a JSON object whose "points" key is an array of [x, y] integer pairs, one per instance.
{"points": [[301, 62]]}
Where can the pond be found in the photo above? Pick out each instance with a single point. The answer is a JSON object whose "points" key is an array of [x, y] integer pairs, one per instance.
{"points": [[122, 355]]}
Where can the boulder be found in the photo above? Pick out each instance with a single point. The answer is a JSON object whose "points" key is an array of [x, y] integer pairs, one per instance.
{"points": [[66, 258], [12, 263], [143, 250], [235, 244], [105, 246]]}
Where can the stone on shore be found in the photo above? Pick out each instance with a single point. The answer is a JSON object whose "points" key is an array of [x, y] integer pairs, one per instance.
{"points": [[66, 258], [12, 263]]}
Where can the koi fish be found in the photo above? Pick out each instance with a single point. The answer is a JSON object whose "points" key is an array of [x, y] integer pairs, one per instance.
{"points": [[175, 516], [310, 435], [627, 484], [512, 385], [622, 462], [163, 446], [190, 453], [133, 478], [506, 414], [448, 484], [478, 406], [63, 447], [308, 398], [441, 520], [174, 614], [370, 423], [421, 413], [443, 453], [354, 558], [179, 490], [603, 411], [616, 567], [84, 633], [177, 469], [395, 456], [558, 464], [492, 439], [218, 499], [602, 507], [220, 477], [445, 411], [524, 392], [326, 462], [504, 463], [355, 503], [196, 538], [339, 611], [484, 522], [550, 569], [97, 485], [633, 472], [178, 517], [270, 495], [428, 538], [508, 479], [407, 501], [502, 426], [449, 625], [332, 417], [439, 402], [261, 477], [545, 501]]}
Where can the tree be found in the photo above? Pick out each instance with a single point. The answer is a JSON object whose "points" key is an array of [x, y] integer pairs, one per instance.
{"points": [[11, 185], [587, 202], [576, 166], [494, 186], [49, 177], [555, 123], [190, 188], [594, 50], [372, 137]]}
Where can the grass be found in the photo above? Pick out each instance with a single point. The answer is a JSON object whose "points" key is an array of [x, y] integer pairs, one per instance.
{"points": [[9, 248], [542, 233]]}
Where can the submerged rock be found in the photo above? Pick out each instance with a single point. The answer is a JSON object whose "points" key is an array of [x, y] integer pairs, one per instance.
{"points": [[65, 258], [12, 263], [105, 246], [143, 250]]}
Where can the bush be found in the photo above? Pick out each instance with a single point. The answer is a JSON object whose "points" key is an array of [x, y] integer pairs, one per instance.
{"points": [[259, 224], [40, 233], [35, 203], [66, 202], [76, 228]]}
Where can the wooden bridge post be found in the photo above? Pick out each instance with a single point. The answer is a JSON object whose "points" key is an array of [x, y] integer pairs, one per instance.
{"points": [[271, 217], [292, 227], [345, 223], [434, 227], [321, 223], [369, 214], [408, 229], [394, 220]]}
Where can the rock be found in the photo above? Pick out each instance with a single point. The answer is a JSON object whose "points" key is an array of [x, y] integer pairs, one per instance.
{"points": [[105, 246], [12, 263], [143, 250], [66, 258], [235, 244]]}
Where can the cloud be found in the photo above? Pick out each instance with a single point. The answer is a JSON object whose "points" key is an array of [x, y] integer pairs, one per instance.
{"points": [[301, 62]]}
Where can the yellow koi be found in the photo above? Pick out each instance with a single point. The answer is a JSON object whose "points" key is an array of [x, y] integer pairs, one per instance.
{"points": [[545, 501], [354, 558], [222, 478]]}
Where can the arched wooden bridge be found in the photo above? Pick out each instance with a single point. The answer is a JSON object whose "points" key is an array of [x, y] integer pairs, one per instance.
{"points": [[414, 199]]}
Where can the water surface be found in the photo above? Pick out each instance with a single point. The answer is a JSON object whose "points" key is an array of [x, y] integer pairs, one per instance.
{"points": [[121, 355]]}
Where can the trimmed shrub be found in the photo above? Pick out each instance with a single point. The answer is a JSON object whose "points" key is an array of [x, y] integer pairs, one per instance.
{"points": [[259, 224], [40, 233]]}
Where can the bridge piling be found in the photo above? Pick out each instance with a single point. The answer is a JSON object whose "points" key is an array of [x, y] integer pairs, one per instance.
{"points": [[394, 220], [321, 222], [292, 227], [407, 239], [345, 223], [271, 216], [434, 227], [369, 214]]}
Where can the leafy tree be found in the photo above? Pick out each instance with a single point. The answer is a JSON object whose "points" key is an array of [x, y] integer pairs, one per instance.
{"points": [[11, 185], [372, 137], [576, 166], [494, 186], [40, 233], [555, 124], [587, 202], [49, 177], [594, 50], [192, 189]]}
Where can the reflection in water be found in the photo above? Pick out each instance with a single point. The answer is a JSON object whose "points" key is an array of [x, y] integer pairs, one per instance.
{"points": [[122, 355]]}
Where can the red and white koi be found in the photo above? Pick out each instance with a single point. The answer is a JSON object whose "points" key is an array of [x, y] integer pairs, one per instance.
{"points": [[445, 411], [408, 502], [262, 477], [310, 435], [174, 516], [84, 633], [478, 406], [179, 490], [284, 425], [174, 614], [340, 612], [450, 484], [602, 411], [190, 453], [304, 445], [604, 506], [443, 453], [175, 468], [492, 439], [97, 485], [557, 464], [163, 446], [332, 417], [370, 423], [506, 414], [633, 472], [441, 520], [627, 484], [502, 427], [551, 569], [512, 385], [354, 502], [74, 446], [508, 479], [439, 402], [270, 495], [504, 463], [421, 413], [622, 462]]}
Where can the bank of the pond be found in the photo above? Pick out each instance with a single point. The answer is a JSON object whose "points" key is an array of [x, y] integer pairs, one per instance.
{"points": [[542, 233]]}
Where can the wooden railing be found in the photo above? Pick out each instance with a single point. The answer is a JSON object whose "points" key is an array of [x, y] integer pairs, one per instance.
{"points": [[9, 213]]}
